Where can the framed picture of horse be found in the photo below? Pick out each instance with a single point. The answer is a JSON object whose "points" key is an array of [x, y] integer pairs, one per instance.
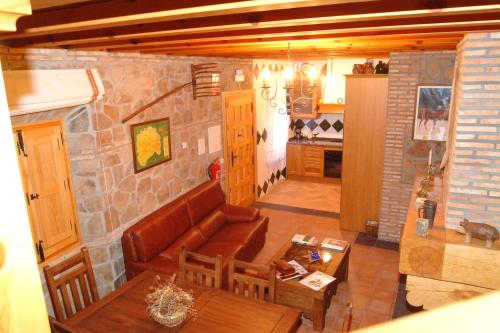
{"points": [[431, 115]]}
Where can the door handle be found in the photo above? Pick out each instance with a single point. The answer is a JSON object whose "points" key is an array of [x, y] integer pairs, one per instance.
{"points": [[34, 196], [39, 249], [232, 158]]}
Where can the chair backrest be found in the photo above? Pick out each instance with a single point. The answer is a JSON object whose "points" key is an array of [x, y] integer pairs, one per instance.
{"points": [[75, 272], [58, 327], [346, 325], [193, 267], [252, 285]]}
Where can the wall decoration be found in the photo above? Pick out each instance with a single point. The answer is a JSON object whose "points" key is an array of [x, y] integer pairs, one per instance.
{"points": [[151, 143], [431, 115]]}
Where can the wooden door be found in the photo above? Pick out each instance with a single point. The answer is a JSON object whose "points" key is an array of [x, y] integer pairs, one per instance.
{"points": [[363, 150], [239, 121], [46, 179]]}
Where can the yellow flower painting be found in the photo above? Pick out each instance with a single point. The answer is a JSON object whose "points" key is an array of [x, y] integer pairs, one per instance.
{"points": [[150, 143]]}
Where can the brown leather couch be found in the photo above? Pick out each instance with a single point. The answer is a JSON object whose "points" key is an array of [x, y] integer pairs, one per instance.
{"points": [[201, 221]]}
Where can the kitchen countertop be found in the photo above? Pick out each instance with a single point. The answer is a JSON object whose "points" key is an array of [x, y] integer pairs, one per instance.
{"points": [[316, 142]]}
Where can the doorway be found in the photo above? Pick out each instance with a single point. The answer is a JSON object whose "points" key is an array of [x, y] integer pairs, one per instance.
{"points": [[239, 142]]}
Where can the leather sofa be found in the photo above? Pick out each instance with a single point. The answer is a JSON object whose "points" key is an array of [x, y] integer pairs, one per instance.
{"points": [[201, 221]]}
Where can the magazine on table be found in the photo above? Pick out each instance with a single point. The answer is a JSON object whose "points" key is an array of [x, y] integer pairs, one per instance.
{"points": [[334, 244], [304, 240], [317, 280], [299, 271]]}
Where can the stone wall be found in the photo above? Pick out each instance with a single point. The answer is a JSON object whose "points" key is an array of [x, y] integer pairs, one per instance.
{"points": [[473, 170], [403, 156], [110, 196]]}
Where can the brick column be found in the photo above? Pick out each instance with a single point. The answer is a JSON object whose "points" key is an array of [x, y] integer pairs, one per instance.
{"points": [[404, 156], [473, 171]]}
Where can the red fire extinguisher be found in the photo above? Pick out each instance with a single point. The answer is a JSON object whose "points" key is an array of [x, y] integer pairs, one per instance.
{"points": [[214, 169]]}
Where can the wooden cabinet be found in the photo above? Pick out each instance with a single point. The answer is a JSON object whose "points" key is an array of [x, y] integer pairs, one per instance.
{"points": [[294, 160], [363, 150], [47, 184], [312, 161]]}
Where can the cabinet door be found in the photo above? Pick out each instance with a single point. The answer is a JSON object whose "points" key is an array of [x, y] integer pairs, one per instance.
{"points": [[46, 180], [294, 160], [312, 161]]}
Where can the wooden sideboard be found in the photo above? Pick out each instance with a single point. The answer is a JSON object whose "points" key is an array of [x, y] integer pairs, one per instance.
{"points": [[441, 268]]}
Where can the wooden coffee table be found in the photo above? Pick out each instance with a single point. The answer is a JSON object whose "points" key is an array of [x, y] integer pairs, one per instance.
{"points": [[311, 302]]}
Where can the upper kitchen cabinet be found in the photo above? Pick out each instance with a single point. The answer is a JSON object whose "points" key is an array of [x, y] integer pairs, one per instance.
{"points": [[363, 150], [305, 92]]}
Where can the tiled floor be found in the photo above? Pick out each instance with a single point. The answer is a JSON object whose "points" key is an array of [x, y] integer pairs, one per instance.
{"points": [[373, 272], [320, 196]]}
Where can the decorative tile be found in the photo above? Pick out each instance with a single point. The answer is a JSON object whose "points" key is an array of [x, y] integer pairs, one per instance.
{"points": [[278, 174], [300, 124], [273, 178], [276, 69], [282, 68], [270, 68], [324, 70], [256, 71], [338, 126], [283, 172], [292, 124], [258, 137], [259, 191], [264, 135], [325, 125], [312, 125], [264, 188]]}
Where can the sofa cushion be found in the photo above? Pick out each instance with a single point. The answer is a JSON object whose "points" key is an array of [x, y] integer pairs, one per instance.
{"points": [[240, 214], [161, 231], [204, 200], [192, 240], [211, 224], [244, 232], [226, 249]]}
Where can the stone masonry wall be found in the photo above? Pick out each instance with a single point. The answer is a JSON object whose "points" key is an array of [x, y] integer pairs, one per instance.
{"points": [[403, 156], [473, 170], [110, 197]]}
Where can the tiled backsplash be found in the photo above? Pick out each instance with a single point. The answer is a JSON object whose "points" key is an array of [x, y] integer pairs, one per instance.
{"points": [[327, 126]]}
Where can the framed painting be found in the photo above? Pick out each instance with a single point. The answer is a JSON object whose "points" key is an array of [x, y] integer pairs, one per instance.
{"points": [[431, 114], [150, 143]]}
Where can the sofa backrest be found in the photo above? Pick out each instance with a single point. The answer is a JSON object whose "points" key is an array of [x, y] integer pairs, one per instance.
{"points": [[156, 232], [204, 200]]}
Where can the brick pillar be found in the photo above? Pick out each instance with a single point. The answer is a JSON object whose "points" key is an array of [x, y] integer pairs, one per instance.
{"points": [[403, 156], [473, 171]]}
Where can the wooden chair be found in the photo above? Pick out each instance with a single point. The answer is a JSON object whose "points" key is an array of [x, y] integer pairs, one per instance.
{"points": [[254, 285], [58, 327], [75, 272], [346, 326], [193, 267]]}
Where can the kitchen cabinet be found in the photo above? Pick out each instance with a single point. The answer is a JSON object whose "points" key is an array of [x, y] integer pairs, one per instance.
{"points": [[307, 161], [363, 150], [331, 108], [294, 160]]}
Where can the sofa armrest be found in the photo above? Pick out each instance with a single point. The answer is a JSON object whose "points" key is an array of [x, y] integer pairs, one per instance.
{"points": [[235, 214]]}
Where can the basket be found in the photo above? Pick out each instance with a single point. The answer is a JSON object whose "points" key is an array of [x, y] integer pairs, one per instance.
{"points": [[169, 320]]}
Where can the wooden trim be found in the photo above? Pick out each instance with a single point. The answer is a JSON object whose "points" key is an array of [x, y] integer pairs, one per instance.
{"points": [[331, 108]]}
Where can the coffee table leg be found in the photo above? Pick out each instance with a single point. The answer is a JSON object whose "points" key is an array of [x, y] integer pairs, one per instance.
{"points": [[318, 315]]}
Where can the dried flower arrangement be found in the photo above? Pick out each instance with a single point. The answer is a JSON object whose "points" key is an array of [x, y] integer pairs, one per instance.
{"points": [[167, 303]]}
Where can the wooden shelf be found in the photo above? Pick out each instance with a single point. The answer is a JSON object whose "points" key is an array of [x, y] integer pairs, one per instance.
{"points": [[331, 108]]}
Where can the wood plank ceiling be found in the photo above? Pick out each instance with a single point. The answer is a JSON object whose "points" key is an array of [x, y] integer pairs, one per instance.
{"points": [[254, 28]]}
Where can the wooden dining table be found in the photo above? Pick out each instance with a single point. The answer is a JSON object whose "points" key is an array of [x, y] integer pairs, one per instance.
{"points": [[125, 310]]}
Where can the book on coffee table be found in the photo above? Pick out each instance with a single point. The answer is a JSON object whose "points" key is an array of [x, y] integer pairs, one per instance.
{"points": [[317, 280], [299, 271], [304, 240], [334, 244]]}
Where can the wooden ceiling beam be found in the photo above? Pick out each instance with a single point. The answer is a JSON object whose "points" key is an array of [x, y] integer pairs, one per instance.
{"points": [[157, 31], [116, 13]]}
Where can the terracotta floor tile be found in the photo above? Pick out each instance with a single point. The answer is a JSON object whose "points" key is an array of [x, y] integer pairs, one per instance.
{"points": [[373, 272]]}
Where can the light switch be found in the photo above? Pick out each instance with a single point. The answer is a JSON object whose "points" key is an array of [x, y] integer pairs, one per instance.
{"points": [[184, 145]]}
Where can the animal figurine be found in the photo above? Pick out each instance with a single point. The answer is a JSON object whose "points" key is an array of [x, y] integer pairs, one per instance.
{"points": [[480, 231]]}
